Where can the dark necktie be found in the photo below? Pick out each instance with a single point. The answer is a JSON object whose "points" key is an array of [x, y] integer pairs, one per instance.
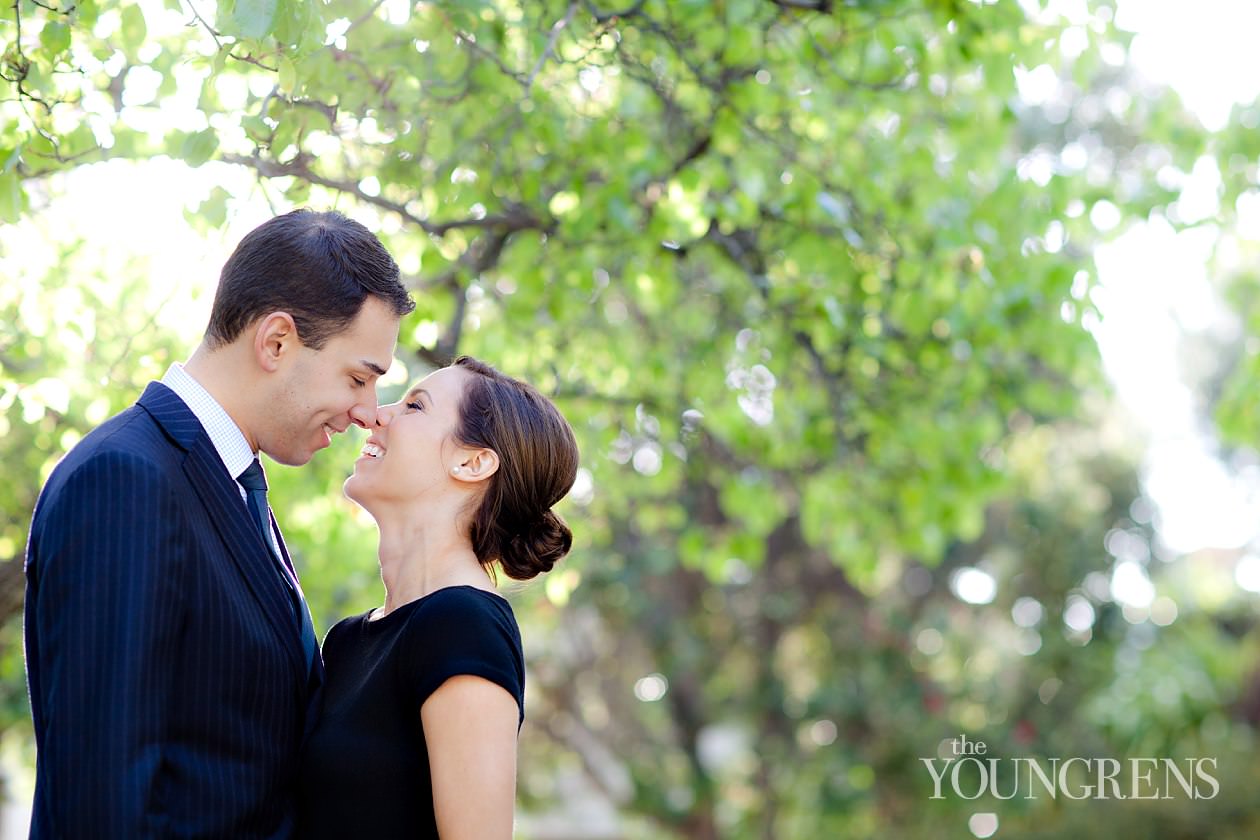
{"points": [[255, 484]]}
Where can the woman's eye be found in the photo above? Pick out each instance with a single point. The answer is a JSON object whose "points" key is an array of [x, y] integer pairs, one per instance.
{"points": [[416, 405]]}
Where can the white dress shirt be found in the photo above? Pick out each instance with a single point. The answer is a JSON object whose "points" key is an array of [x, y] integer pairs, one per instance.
{"points": [[227, 437]]}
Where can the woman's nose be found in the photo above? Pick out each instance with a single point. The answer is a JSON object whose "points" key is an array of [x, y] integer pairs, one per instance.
{"points": [[385, 413]]}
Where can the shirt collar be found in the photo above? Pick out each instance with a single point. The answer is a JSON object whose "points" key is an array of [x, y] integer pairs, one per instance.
{"points": [[227, 437]]}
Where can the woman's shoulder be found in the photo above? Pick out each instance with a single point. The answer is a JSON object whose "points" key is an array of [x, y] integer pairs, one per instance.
{"points": [[463, 630], [346, 627], [465, 617], [457, 605]]}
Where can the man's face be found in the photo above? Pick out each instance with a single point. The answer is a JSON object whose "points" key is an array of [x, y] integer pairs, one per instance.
{"points": [[326, 390]]}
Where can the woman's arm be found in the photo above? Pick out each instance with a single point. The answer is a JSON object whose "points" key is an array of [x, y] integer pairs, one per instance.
{"points": [[470, 726]]}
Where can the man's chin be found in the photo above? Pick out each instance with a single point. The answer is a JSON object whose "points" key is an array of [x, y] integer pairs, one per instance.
{"points": [[297, 455], [293, 457], [326, 433], [323, 440]]}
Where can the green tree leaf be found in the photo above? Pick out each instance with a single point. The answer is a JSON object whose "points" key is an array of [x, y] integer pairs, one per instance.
{"points": [[133, 29], [199, 147], [12, 197], [254, 18]]}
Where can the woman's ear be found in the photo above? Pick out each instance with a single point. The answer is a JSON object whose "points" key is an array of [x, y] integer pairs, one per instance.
{"points": [[477, 465], [274, 337]]}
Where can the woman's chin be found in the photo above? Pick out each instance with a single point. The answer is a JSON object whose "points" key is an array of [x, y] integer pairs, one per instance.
{"points": [[352, 488]]}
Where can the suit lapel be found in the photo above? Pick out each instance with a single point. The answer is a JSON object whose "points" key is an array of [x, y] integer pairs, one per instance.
{"points": [[222, 500], [315, 676], [284, 550]]}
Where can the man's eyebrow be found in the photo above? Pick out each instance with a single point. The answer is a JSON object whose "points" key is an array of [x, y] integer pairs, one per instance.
{"points": [[373, 366]]}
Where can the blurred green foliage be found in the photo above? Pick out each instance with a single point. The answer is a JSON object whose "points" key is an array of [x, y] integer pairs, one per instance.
{"points": [[812, 286]]}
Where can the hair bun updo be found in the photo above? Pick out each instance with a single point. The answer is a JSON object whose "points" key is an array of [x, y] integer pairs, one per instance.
{"points": [[536, 549]]}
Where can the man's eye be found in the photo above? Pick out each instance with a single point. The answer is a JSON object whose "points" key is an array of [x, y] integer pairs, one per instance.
{"points": [[358, 383]]}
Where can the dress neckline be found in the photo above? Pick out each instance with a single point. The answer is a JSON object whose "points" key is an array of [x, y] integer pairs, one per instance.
{"points": [[408, 607]]}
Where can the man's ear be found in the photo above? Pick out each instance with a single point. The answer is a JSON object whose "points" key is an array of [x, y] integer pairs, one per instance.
{"points": [[477, 465], [275, 336]]}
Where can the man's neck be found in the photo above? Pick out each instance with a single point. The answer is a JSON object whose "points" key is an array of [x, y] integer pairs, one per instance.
{"points": [[219, 372]]}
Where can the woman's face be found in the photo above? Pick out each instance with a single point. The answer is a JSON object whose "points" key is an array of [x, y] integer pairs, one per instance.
{"points": [[413, 450]]}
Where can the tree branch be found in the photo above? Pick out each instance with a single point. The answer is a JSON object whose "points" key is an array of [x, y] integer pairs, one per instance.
{"points": [[54, 9], [199, 19], [604, 17], [365, 17], [556, 29], [516, 218], [823, 6]]}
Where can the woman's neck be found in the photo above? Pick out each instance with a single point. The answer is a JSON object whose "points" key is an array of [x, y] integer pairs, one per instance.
{"points": [[419, 557]]}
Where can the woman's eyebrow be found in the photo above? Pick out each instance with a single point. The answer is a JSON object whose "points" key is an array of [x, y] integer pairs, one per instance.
{"points": [[418, 390]]}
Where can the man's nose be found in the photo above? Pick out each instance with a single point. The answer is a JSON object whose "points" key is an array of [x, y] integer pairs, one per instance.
{"points": [[384, 414], [364, 413]]}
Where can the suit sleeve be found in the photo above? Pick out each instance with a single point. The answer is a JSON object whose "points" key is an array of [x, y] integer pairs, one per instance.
{"points": [[104, 602]]}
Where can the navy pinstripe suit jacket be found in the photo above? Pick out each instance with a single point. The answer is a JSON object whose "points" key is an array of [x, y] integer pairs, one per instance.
{"points": [[168, 687]]}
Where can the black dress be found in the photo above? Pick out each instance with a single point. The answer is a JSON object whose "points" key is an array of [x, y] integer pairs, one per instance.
{"points": [[365, 768]]}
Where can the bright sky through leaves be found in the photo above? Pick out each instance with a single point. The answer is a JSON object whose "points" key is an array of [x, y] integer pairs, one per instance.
{"points": [[1155, 285]]}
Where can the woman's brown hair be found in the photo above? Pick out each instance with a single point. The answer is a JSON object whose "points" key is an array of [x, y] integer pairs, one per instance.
{"points": [[538, 460]]}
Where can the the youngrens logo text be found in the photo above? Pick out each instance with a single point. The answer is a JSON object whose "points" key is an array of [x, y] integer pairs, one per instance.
{"points": [[970, 773]]}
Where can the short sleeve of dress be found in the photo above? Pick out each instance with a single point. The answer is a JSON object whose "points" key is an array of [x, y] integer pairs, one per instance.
{"points": [[462, 631]]}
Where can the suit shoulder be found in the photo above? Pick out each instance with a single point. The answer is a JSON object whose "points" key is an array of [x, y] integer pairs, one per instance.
{"points": [[130, 437], [132, 430], [127, 452]]}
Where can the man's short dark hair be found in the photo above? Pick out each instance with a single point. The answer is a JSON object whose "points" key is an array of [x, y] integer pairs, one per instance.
{"points": [[318, 267]]}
